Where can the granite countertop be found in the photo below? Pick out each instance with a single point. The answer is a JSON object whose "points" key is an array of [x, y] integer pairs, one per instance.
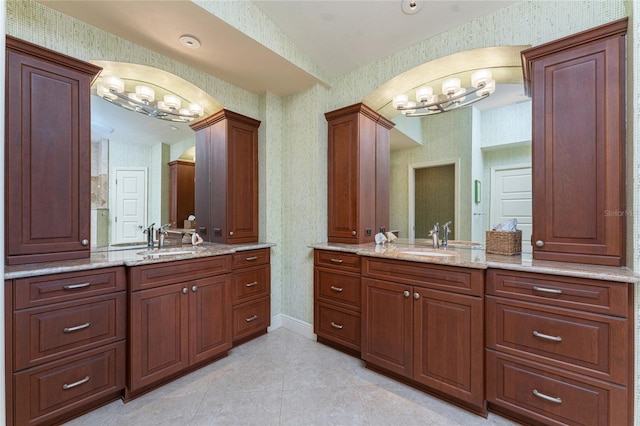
{"points": [[464, 255], [129, 256]]}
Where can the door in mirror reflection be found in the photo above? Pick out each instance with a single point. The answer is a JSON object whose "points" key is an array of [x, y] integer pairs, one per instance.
{"points": [[131, 205]]}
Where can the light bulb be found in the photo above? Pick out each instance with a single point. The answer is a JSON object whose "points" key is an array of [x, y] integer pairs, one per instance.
{"points": [[480, 77], [111, 82], [450, 86], [423, 94], [172, 102], [196, 109], [400, 100], [145, 93]]}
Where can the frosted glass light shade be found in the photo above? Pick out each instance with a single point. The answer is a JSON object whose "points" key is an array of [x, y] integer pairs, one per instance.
{"points": [[481, 77], [450, 86], [111, 82], [423, 94], [172, 102], [196, 109], [488, 89], [104, 92], [400, 100], [134, 97], [145, 93]]}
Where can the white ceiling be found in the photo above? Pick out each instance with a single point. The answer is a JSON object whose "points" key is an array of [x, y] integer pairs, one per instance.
{"points": [[337, 36]]}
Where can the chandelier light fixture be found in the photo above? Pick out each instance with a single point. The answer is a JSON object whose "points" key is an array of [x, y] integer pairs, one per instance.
{"points": [[453, 96], [143, 100]]}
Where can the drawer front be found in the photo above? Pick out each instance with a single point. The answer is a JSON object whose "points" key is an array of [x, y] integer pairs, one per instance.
{"points": [[251, 318], [606, 297], [447, 278], [249, 258], [249, 284], [590, 344], [51, 332], [552, 397], [54, 288], [333, 287], [160, 274], [338, 325], [51, 391], [338, 260]]}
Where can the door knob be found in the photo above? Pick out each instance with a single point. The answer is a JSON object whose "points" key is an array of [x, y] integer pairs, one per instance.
{"points": [[84, 242], [231, 233], [416, 295], [353, 233], [406, 293], [539, 243]]}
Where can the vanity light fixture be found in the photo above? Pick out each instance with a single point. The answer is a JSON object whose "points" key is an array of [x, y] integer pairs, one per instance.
{"points": [[142, 100], [453, 95]]}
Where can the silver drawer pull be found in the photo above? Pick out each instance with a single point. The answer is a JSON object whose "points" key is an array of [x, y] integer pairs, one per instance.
{"points": [[253, 318], [76, 286], [78, 383], [338, 326], [253, 284], [250, 258], [337, 260], [547, 290], [76, 328], [547, 337], [547, 397], [338, 289]]}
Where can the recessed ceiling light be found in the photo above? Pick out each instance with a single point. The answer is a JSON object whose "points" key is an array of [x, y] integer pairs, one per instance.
{"points": [[411, 7], [189, 41], [172, 127]]}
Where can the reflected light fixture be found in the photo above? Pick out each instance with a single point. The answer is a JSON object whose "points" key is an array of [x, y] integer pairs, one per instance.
{"points": [[453, 96], [143, 100]]}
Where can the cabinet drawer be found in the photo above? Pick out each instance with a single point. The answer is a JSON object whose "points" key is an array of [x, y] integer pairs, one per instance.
{"points": [[338, 324], [552, 396], [336, 287], [45, 289], [51, 332], [590, 344], [246, 259], [50, 392], [448, 278], [249, 284], [606, 297], [160, 274], [251, 318], [338, 260]]}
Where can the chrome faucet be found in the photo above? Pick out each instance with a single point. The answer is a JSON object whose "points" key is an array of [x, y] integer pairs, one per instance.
{"points": [[149, 231], [445, 234], [434, 234], [162, 233]]}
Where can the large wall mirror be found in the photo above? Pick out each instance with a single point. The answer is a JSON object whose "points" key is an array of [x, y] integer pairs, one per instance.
{"points": [[131, 155]]}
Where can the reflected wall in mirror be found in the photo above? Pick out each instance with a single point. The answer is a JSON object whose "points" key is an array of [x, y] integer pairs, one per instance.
{"points": [[138, 149], [480, 141]]}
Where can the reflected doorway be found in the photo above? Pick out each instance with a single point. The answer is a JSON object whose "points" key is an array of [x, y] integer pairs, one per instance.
{"points": [[131, 205]]}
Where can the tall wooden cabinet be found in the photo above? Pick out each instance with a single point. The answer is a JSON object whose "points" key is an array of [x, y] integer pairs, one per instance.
{"points": [[358, 174], [181, 192], [47, 148], [577, 85], [226, 185]]}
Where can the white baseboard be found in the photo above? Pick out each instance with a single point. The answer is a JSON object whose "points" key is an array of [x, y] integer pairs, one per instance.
{"points": [[297, 326]]}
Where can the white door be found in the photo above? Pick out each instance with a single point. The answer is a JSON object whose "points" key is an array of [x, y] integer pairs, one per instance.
{"points": [[511, 199], [131, 205]]}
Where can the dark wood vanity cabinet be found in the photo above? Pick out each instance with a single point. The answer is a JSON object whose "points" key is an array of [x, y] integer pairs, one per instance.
{"points": [[179, 318], [251, 294], [577, 85], [226, 187], [559, 349], [358, 174], [65, 344], [47, 148], [425, 323], [181, 192]]}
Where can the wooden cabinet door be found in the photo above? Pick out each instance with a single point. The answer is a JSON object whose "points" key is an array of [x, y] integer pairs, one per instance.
{"points": [[47, 155], [158, 335], [209, 318], [242, 181], [387, 337], [578, 149], [181, 192], [449, 343]]}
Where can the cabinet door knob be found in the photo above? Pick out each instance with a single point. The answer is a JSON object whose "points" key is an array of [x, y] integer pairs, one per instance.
{"points": [[194, 288], [185, 290], [84, 242], [353, 233], [539, 243], [406, 293], [416, 295], [231, 233]]}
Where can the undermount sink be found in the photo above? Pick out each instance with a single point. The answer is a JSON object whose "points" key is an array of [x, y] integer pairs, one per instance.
{"points": [[458, 243], [154, 253], [429, 253]]}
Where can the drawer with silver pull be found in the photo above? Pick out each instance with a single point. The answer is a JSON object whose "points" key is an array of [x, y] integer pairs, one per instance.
{"points": [[582, 342], [250, 318], [336, 287], [338, 325], [51, 332], [250, 283], [337, 260], [249, 258]]}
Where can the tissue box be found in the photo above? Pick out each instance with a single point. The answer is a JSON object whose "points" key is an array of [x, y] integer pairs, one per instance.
{"points": [[504, 242], [189, 224]]}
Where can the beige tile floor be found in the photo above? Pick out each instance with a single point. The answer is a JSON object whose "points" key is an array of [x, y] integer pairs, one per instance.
{"points": [[284, 379]]}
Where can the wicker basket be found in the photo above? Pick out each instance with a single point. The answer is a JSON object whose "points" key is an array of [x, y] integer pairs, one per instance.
{"points": [[504, 242]]}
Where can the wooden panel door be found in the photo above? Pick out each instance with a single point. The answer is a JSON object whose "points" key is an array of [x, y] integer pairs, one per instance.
{"points": [[387, 336], [158, 335], [47, 155], [578, 97], [181, 192], [209, 318], [449, 344]]}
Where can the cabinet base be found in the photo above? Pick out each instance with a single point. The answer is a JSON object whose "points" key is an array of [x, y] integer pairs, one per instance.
{"points": [[339, 347]]}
